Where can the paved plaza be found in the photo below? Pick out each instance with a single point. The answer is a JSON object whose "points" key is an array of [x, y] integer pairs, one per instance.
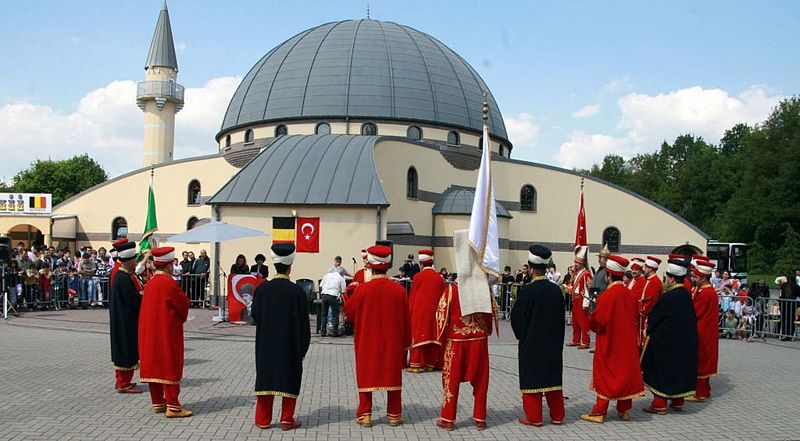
{"points": [[57, 384]]}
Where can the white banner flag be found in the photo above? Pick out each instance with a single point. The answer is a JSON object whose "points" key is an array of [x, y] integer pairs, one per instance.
{"points": [[483, 235]]}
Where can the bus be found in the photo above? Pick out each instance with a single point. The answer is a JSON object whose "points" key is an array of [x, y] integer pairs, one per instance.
{"points": [[729, 256]]}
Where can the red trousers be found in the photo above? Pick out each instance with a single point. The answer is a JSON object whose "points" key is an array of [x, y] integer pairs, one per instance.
{"points": [[165, 394], [703, 388], [394, 404], [123, 379], [426, 356], [532, 404], [264, 410], [601, 406], [580, 323], [468, 361], [660, 403]]}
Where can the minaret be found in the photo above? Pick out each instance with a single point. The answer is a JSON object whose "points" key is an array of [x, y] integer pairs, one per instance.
{"points": [[160, 96]]}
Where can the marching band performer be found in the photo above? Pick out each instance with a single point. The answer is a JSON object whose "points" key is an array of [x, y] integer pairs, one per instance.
{"points": [[652, 291], [426, 290], [537, 319], [125, 301], [580, 299], [165, 308], [706, 304], [280, 311], [378, 311]]}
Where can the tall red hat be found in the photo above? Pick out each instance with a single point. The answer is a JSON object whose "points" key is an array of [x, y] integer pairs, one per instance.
{"points": [[703, 268], [163, 256], [425, 256], [379, 257], [616, 265], [652, 262], [637, 263]]}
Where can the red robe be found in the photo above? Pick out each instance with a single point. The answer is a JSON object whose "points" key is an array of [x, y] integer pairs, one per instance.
{"points": [[636, 286], [426, 290], [466, 354], [362, 276], [165, 308], [114, 270], [706, 306], [580, 322], [378, 311], [687, 283], [615, 368]]}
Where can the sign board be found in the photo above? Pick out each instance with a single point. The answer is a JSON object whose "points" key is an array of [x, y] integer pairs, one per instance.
{"points": [[18, 204]]}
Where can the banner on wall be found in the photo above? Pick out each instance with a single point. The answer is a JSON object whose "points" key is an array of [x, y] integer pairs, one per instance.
{"points": [[25, 203], [307, 235], [241, 288]]}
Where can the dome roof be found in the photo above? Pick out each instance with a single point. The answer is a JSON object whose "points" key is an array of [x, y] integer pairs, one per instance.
{"points": [[364, 69]]}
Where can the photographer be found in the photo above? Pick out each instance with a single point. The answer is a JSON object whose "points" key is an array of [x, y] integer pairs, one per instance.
{"points": [[410, 268]]}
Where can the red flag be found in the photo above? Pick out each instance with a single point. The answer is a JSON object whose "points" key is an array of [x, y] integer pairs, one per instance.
{"points": [[307, 237], [580, 232]]}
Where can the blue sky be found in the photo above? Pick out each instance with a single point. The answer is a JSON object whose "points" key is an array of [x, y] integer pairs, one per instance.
{"points": [[574, 80]]}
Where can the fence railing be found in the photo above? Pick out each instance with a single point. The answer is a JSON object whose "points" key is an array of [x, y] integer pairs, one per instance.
{"points": [[762, 317]]}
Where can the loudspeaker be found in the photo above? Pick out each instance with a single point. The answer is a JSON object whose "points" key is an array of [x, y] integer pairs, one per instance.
{"points": [[5, 249], [389, 244]]}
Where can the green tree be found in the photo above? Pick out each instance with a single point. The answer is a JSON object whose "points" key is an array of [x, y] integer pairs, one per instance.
{"points": [[63, 178], [788, 255]]}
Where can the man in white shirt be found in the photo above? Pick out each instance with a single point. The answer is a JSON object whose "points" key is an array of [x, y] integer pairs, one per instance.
{"points": [[331, 288]]}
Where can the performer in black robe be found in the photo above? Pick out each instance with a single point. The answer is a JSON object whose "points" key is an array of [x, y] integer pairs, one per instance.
{"points": [[125, 300], [283, 333], [538, 323], [669, 360]]}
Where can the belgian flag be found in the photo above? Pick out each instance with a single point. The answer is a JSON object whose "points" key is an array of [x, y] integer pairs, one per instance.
{"points": [[283, 230], [37, 202]]}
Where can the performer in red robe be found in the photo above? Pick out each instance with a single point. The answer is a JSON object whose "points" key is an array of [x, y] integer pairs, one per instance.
{"points": [[378, 311], [124, 304], [580, 290], [706, 304], [426, 290], [638, 281], [363, 275], [651, 292], [466, 356], [538, 323], [165, 308], [615, 367], [114, 253]]}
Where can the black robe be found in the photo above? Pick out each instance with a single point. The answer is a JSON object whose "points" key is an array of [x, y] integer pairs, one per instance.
{"points": [[537, 319], [283, 333], [669, 361], [123, 309]]}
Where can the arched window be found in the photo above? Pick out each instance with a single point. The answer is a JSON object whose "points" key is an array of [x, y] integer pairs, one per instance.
{"points": [[191, 223], [453, 138], [414, 133], [194, 193], [228, 141], [611, 237], [369, 129], [527, 198], [500, 150], [323, 129], [119, 228], [248, 136], [480, 143], [281, 130], [412, 183]]}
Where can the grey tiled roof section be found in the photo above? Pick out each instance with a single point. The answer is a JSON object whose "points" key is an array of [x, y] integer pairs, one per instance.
{"points": [[308, 170], [458, 200], [364, 69], [162, 48]]}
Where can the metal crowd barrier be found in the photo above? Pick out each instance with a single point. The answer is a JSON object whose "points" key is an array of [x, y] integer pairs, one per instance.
{"points": [[747, 318], [196, 287]]}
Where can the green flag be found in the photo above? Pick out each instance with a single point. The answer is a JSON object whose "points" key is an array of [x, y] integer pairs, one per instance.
{"points": [[151, 225]]}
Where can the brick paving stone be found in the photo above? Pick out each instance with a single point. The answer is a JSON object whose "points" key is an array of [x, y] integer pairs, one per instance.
{"points": [[57, 383]]}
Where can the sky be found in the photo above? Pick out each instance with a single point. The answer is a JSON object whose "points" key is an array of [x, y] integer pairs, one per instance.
{"points": [[575, 80]]}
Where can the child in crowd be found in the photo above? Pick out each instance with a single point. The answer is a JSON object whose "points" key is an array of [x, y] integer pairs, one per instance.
{"points": [[729, 325], [747, 322]]}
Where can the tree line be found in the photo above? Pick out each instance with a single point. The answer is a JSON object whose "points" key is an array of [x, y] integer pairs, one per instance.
{"points": [[744, 189], [64, 178]]}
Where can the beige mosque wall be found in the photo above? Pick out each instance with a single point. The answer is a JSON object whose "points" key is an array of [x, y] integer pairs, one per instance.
{"points": [[126, 196], [343, 232]]}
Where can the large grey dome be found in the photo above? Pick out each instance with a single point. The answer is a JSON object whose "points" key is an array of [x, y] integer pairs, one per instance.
{"points": [[364, 69]]}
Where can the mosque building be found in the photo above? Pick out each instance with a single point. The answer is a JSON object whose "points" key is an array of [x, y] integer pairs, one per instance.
{"points": [[370, 126]]}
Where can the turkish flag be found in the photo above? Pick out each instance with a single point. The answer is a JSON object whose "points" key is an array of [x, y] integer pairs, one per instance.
{"points": [[307, 237]]}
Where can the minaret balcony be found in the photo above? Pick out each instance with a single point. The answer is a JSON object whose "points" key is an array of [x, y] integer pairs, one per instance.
{"points": [[161, 92]]}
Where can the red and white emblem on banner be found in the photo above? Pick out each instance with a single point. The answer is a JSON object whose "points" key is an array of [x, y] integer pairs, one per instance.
{"points": [[307, 237]]}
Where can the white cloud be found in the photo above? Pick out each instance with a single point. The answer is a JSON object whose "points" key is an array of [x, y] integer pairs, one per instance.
{"points": [[648, 120], [108, 126], [180, 47], [582, 150], [618, 85], [522, 131], [587, 111]]}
